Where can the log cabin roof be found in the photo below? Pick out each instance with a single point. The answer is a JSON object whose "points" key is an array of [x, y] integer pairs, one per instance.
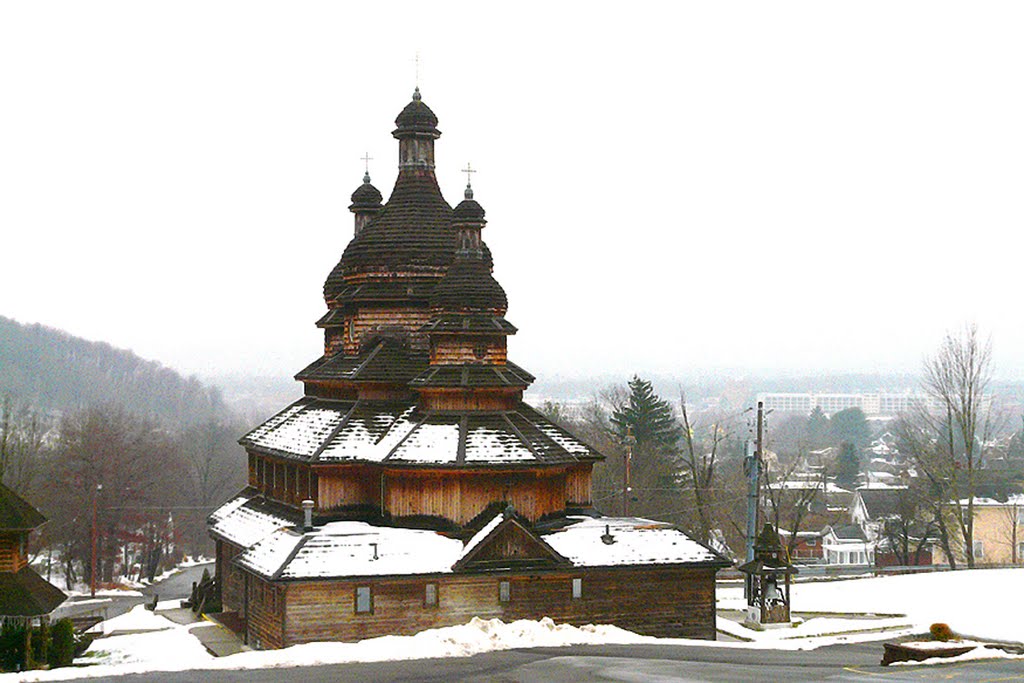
{"points": [[16, 514], [397, 432], [280, 550], [26, 594]]}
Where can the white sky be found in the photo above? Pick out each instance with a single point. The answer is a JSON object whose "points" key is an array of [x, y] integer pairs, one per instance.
{"points": [[799, 186]]}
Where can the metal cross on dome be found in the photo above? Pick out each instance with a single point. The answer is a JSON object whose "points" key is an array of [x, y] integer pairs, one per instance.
{"points": [[366, 161], [468, 170]]}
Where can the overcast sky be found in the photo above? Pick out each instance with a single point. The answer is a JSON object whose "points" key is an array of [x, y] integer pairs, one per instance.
{"points": [[670, 187]]}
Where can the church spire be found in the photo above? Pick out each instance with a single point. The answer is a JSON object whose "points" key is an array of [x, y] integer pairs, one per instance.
{"points": [[416, 131]]}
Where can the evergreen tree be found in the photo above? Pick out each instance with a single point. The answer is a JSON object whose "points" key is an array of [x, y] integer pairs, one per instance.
{"points": [[847, 466], [649, 415], [817, 429], [850, 426]]}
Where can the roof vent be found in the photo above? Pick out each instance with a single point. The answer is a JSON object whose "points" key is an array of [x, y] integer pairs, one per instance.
{"points": [[607, 537], [307, 515]]}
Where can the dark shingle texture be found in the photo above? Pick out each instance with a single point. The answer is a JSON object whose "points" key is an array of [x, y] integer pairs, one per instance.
{"points": [[16, 514], [26, 594]]}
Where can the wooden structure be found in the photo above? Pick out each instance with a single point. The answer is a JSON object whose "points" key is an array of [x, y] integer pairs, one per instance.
{"points": [[769, 572], [413, 434], [24, 595]]}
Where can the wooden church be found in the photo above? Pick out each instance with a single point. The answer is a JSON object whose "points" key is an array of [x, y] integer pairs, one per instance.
{"points": [[411, 487]]}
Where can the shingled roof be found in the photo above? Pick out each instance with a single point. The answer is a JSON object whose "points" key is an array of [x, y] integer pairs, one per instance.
{"points": [[26, 594], [397, 432], [387, 360], [16, 514], [469, 285]]}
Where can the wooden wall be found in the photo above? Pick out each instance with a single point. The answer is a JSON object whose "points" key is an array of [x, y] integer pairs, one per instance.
{"points": [[264, 621], [462, 496], [232, 579], [666, 601], [578, 486], [370, 321], [11, 557], [459, 350], [346, 486]]}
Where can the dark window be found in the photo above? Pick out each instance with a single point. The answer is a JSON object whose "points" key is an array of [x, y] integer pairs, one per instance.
{"points": [[504, 591], [430, 595], [811, 542], [364, 600], [480, 350]]}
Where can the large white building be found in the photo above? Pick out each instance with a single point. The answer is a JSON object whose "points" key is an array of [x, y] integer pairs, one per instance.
{"points": [[873, 405]]}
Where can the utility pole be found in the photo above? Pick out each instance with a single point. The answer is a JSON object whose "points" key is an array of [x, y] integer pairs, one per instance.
{"points": [[95, 531], [629, 441], [752, 465]]}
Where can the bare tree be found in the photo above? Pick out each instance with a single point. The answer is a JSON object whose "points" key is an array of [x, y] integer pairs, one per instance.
{"points": [[698, 459], [792, 503], [957, 378]]}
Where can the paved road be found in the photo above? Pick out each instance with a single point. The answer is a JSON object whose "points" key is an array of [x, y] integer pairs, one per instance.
{"points": [[178, 586], [623, 664]]}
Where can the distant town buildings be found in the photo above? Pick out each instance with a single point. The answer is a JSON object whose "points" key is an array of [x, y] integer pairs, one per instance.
{"points": [[873, 405]]}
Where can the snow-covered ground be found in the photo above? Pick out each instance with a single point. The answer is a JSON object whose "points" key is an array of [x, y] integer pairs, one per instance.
{"points": [[984, 604]]}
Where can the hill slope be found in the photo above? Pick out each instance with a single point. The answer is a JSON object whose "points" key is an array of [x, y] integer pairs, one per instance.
{"points": [[54, 370]]}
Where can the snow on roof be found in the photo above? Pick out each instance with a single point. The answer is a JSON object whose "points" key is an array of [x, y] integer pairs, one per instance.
{"points": [[358, 439], [299, 429], [1011, 500], [636, 541], [491, 445], [436, 442], [352, 549], [483, 533], [802, 485], [242, 524]]}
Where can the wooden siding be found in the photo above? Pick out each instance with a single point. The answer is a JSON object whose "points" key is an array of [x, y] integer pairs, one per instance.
{"points": [[472, 399], [461, 496], [11, 557], [265, 616], [349, 486], [369, 322], [450, 350], [578, 486], [232, 579], [665, 601]]}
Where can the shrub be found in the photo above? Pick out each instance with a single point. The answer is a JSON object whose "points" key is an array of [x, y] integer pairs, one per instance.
{"points": [[13, 637], [62, 644], [942, 632]]}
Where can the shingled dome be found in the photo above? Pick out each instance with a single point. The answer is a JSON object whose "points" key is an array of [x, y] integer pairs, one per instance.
{"points": [[468, 210], [366, 196], [469, 285], [416, 118]]}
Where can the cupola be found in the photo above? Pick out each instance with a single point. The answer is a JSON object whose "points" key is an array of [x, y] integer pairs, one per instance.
{"points": [[366, 203]]}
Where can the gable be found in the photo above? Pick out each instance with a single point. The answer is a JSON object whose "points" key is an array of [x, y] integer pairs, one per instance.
{"points": [[510, 545]]}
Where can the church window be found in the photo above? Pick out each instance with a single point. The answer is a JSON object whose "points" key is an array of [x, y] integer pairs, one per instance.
{"points": [[364, 600], [480, 350], [430, 595], [979, 550], [577, 588], [504, 591]]}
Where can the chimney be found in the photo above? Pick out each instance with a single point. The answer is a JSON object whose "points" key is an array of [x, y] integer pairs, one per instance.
{"points": [[307, 515]]}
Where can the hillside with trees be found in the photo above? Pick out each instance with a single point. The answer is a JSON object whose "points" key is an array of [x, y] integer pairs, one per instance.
{"points": [[84, 425], [57, 372]]}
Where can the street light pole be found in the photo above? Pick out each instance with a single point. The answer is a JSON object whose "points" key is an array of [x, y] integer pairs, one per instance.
{"points": [[92, 576]]}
